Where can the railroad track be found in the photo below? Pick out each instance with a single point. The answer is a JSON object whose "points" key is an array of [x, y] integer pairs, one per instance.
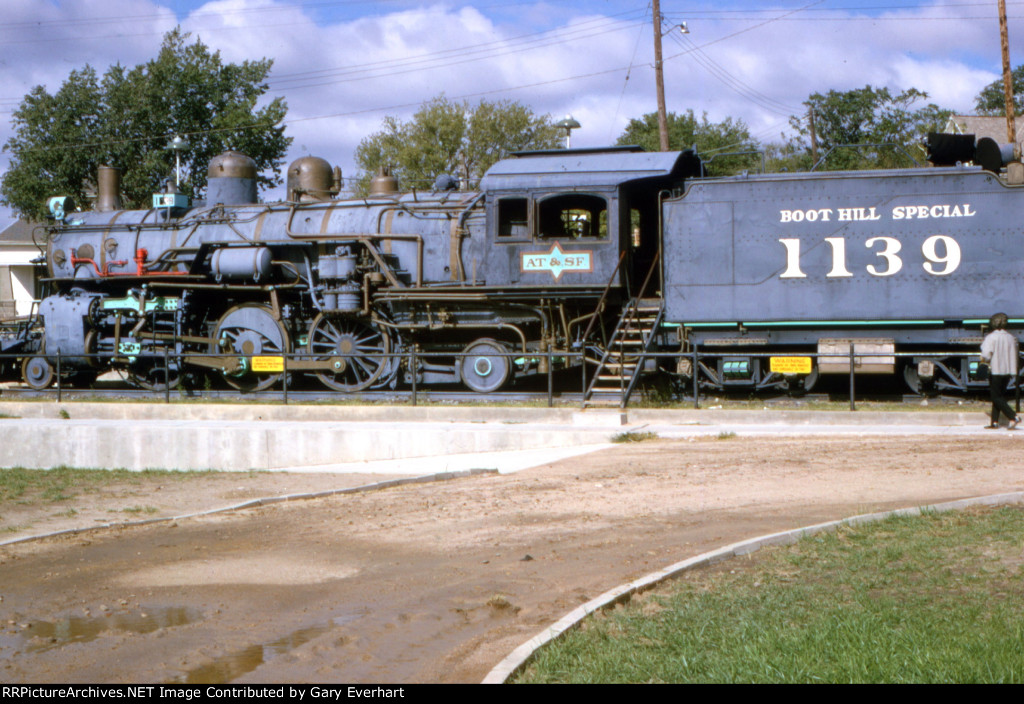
{"points": [[114, 391]]}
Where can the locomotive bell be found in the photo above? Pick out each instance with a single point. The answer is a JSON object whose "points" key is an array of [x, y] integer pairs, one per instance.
{"points": [[383, 184], [231, 179], [311, 178]]}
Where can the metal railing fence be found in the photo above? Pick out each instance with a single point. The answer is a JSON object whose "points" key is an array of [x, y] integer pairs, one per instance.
{"points": [[698, 384]]}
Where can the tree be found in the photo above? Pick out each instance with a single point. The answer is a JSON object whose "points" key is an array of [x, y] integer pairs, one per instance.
{"points": [[716, 142], [868, 116], [990, 100], [446, 137], [127, 118]]}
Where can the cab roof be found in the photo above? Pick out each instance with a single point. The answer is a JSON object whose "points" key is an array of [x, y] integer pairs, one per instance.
{"points": [[589, 168]]}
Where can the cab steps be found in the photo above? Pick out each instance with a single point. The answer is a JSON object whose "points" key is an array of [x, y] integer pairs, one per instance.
{"points": [[625, 357]]}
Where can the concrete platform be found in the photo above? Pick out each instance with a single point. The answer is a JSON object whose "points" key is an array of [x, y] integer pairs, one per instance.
{"points": [[342, 438]]}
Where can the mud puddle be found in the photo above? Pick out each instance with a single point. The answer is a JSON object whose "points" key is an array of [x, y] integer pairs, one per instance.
{"points": [[230, 667], [40, 636]]}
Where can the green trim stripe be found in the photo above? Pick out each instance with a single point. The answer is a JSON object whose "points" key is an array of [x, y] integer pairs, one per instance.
{"points": [[846, 323]]}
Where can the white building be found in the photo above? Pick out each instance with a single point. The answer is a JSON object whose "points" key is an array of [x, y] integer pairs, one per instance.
{"points": [[983, 126], [17, 273]]}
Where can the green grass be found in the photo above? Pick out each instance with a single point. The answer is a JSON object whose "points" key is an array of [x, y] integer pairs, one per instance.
{"points": [[140, 509], [29, 486], [633, 436], [939, 598]]}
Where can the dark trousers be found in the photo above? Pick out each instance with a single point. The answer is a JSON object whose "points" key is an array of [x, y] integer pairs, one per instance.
{"points": [[997, 391]]}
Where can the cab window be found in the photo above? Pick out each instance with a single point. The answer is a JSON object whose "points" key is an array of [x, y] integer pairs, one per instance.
{"points": [[572, 216], [513, 219]]}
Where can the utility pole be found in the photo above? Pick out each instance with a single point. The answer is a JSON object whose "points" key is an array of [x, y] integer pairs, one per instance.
{"points": [[1004, 40], [659, 76], [814, 136]]}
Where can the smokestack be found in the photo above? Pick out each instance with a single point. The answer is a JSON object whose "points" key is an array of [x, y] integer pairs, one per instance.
{"points": [[108, 189]]}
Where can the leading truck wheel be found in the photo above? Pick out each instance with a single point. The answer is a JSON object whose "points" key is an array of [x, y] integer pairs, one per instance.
{"points": [[250, 330], [485, 366], [37, 372]]}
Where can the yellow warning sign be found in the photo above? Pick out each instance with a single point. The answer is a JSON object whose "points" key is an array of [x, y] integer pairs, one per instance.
{"points": [[791, 365], [268, 364]]}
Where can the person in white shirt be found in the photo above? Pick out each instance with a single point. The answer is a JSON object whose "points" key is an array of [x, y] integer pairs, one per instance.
{"points": [[999, 350]]}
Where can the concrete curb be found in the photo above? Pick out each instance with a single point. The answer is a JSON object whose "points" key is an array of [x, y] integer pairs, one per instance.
{"points": [[562, 415], [267, 445], [265, 501], [519, 657], [242, 437]]}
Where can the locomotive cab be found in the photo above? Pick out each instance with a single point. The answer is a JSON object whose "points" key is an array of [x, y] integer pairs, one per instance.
{"points": [[584, 219]]}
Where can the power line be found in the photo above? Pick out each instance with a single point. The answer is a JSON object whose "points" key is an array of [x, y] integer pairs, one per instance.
{"points": [[453, 56], [691, 49], [748, 12], [717, 71], [431, 64], [118, 19], [349, 113], [625, 82], [443, 58], [733, 83]]}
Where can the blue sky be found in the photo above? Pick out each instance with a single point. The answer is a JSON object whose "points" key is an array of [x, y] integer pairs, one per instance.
{"points": [[344, 65]]}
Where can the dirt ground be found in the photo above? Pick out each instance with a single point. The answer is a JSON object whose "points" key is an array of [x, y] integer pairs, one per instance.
{"points": [[425, 582]]}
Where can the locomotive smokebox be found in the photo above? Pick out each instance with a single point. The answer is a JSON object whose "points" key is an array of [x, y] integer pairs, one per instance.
{"points": [[311, 179], [108, 189], [232, 179]]}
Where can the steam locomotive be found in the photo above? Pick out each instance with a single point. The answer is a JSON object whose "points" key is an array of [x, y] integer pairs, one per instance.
{"points": [[617, 260]]}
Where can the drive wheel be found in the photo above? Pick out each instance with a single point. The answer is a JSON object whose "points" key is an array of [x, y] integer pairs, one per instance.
{"points": [[361, 351], [250, 330], [485, 366], [37, 372]]}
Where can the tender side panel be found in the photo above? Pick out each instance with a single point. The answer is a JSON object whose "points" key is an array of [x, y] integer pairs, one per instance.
{"points": [[929, 245]]}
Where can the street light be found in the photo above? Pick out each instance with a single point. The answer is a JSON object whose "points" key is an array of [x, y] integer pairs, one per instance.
{"points": [[178, 145], [568, 123]]}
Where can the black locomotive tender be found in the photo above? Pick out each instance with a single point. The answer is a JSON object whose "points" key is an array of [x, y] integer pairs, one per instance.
{"points": [[619, 260]]}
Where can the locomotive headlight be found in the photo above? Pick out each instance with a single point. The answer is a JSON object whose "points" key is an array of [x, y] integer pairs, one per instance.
{"points": [[60, 207]]}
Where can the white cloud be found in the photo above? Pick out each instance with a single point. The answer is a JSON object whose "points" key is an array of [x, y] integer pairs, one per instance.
{"points": [[350, 72]]}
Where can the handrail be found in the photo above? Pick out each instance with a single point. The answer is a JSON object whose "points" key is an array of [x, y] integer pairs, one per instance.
{"points": [[643, 357], [600, 302], [898, 148], [631, 312]]}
